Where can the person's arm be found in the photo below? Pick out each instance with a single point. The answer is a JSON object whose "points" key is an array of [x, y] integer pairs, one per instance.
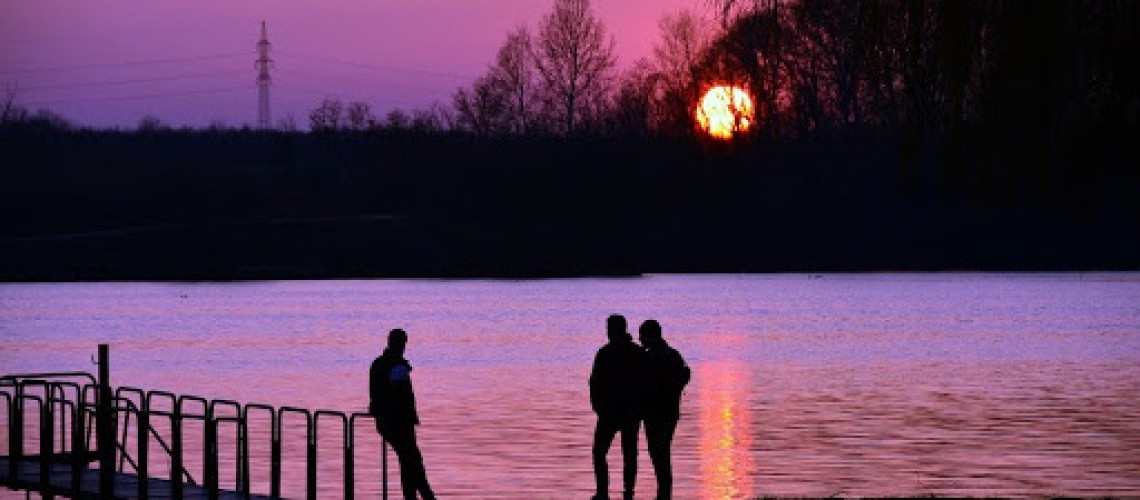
{"points": [[683, 371], [599, 378], [403, 398], [375, 379]]}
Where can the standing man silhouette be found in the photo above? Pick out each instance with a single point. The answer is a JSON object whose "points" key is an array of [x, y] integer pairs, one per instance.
{"points": [[615, 387], [666, 375], [393, 404]]}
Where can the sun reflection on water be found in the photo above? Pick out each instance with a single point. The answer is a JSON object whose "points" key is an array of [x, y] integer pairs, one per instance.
{"points": [[725, 432]]}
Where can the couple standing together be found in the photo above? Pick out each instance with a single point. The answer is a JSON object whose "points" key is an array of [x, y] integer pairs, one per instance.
{"points": [[628, 384], [631, 384]]}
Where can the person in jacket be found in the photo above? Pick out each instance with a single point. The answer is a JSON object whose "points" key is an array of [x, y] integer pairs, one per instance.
{"points": [[393, 405], [615, 398], [666, 375]]}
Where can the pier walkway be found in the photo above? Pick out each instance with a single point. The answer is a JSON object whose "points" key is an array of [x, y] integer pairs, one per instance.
{"points": [[126, 486], [74, 436]]}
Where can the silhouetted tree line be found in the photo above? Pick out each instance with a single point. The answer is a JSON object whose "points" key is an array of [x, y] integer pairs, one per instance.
{"points": [[1000, 100], [175, 204], [905, 135]]}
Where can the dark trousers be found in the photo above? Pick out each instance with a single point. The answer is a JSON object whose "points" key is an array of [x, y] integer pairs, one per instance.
{"points": [[603, 438], [659, 434], [413, 477]]}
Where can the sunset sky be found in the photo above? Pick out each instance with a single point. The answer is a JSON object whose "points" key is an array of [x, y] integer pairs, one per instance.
{"points": [[110, 63]]}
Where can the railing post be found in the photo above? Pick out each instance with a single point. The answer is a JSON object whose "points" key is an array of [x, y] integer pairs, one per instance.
{"points": [[16, 432], [47, 443], [105, 426], [243, 455], [78, 444], [275, 459], [210, 460], [144, 430], [349, 466], [176, 450], [311, 462]]}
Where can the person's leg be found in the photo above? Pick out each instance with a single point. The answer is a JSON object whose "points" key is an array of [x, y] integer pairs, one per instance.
{"points": [[653, 442], [402, 441], [419, 479], [629, 433], [603, 437], [659, 434]]}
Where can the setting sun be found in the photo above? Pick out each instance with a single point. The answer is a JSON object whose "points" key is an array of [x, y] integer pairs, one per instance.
{"points": [[725, 110]]}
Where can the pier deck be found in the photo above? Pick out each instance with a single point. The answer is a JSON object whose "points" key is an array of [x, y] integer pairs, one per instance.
{"points": [[126, 485]]}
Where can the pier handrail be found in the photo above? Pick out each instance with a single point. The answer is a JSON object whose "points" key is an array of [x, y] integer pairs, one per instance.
{"points": [[158, 437], [10, 409], [345, 447], [6, 379], [77, 403]]}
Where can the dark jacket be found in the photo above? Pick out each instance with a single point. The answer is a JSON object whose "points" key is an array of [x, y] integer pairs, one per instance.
{"points": [[615, 381], [666, 376], [393, 402]]}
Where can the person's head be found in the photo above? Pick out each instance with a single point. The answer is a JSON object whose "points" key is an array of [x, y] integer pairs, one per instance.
{"points": [[616, 327], [650, 333], [397, 340]]}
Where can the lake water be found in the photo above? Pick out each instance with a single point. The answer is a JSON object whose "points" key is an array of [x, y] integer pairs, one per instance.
{"points": [[803, 385]]}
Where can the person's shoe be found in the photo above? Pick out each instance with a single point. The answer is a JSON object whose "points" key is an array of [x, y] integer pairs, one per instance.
{"points": [[599, 497], [627, 495]]}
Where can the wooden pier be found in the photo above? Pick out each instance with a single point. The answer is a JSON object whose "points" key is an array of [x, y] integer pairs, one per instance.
{"points": [[59, 414]]}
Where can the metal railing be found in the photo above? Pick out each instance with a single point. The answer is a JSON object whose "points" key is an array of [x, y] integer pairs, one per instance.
{"points": [[67, 409]]}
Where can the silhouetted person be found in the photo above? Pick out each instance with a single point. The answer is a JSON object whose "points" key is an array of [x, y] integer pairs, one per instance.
{"points": [[665, 377], [393, 404], [615, 397]]}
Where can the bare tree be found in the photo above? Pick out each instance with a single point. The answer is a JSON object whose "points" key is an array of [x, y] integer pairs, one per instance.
{"points": [[684, 38], [728, 10], [151, 123], [398, 119], [576, 62], [514, 75], [327, 116], [633, 99], [678, 58], [358, 116], [10, 112], [426, 120], [480, 109], [444, 114]]}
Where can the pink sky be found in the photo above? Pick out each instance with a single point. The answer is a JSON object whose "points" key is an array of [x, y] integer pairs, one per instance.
{"points": [[111, 62]]}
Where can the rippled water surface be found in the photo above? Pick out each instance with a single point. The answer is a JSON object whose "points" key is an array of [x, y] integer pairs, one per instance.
{"points": [[896, 384]]}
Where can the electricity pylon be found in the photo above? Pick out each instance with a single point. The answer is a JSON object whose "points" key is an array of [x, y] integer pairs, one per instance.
{"points": [[263, 80]]}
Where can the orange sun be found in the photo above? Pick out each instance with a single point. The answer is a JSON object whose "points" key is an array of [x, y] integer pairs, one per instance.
{"points": [[725, 110]]}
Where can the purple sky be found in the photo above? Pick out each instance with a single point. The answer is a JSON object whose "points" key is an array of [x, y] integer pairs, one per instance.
{"points": [[111, 62]]}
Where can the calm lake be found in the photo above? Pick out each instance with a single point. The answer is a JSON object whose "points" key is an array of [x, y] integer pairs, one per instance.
{"points": [[803, 385]]}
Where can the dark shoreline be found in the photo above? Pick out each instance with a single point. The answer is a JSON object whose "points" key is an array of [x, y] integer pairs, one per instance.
{"points": [[244, 205], [248, 252]]}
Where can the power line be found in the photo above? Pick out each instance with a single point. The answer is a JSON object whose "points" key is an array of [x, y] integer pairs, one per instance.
{"points": [[372, 82], [45, 69], [382, 67], [131, 81], [142, 96], [350, 94]]}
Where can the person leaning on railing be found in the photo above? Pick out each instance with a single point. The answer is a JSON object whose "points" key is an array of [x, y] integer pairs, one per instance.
{"points": [[393, 405]]}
